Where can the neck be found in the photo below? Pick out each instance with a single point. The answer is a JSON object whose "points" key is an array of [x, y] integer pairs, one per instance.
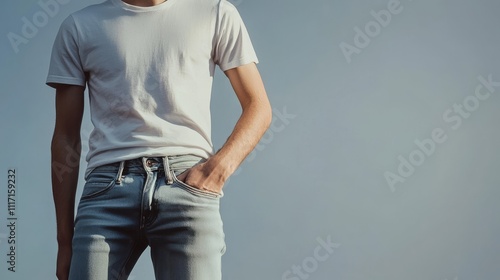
{"points": [[144, 3]]}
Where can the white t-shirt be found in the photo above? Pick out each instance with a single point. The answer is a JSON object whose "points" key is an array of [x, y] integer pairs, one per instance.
{"points": [[149, 72]]}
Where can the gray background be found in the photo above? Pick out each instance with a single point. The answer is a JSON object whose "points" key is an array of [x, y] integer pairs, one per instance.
{"points": [[320, 173]]}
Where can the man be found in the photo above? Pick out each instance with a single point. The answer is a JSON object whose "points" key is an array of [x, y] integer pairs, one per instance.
{"points": [[152, 177]]}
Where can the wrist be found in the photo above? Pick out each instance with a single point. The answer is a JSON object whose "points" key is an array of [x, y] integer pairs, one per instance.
{"points": [[222, 166]]}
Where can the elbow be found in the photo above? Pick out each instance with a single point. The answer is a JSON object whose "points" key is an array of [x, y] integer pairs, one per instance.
{"points": [[268, 115], [263, 112]]}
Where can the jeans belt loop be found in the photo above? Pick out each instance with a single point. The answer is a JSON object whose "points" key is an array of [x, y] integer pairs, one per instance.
{"points": [[168, 172], [120, 173]]}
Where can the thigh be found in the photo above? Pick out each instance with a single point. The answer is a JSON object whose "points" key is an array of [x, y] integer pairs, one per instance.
{"points": [[107, 240], [187, 237]]}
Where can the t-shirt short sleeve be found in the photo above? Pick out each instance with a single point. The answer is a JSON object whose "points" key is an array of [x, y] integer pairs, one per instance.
{"points": [[234, 47], [65, 64]]}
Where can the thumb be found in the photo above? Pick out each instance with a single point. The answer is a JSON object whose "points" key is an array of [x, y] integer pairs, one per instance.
{"points": [[182, 176]]}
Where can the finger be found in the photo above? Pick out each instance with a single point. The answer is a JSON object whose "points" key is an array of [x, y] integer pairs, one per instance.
{"points": [[182, 176]]}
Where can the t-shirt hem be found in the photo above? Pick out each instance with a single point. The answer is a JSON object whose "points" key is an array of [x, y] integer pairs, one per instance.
{"points": [[94, 163], [239, 62]]}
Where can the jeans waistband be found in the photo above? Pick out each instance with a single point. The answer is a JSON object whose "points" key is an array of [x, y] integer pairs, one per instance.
{"points": [[143, 165]]}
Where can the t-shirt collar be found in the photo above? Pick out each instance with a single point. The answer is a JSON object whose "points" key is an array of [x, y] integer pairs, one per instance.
{"points": [[134, 8]]}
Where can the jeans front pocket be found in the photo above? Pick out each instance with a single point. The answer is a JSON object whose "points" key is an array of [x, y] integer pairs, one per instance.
{"points": [[98, 184], [196, 191]]}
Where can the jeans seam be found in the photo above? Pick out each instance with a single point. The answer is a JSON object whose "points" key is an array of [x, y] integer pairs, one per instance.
{"points": [[100, 192], [194, 190], [115, 181], [122, 268]]}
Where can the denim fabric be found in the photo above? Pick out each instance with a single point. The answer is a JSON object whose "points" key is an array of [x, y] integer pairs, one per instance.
{"points": [[127, 206]]}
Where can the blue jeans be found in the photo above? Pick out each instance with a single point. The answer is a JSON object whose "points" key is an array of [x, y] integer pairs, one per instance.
{"points": [[127, 206]]}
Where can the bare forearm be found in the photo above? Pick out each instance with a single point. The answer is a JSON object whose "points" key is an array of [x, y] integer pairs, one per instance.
{"points": [[251, 126], [65, 169], [249, 129]]}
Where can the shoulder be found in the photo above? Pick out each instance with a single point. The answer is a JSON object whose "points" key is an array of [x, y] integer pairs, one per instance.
{"points": [[224, 6], [227, 10], [95, 8], [92, 11]]}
